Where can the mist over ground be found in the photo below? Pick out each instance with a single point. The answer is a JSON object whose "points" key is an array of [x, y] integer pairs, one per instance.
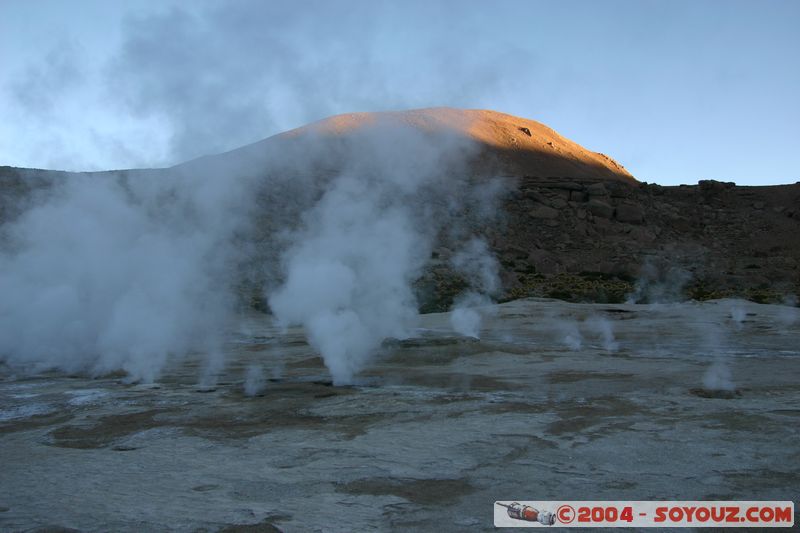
{"points": [[127, 272], [113, 274]]}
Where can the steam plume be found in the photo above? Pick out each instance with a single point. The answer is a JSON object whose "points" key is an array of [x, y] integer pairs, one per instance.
{"points": [[111, 273], [132, 271], [480, 268], [349, 269]]}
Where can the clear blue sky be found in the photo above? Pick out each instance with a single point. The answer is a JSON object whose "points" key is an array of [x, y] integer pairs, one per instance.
{"points": [[675, 90]]}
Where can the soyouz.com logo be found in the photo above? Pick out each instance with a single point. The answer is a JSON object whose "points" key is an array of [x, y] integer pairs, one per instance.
{"points": [[644, 514]]}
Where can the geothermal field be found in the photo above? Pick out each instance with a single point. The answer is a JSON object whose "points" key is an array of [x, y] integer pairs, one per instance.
{"points": [[389, 321], [374, 266], [554, 400]]}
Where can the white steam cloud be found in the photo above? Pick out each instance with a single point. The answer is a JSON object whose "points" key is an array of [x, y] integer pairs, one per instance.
{"points": [[738, 315], [574, 333], [789, 315], [718, 377], [714, 338], [480, 268], [254, 381], [603, 328], [468, 312], [569, 334], [349, 275], [659, 282], [112, 273], [130, 271], [206, 77], [350, 268]]}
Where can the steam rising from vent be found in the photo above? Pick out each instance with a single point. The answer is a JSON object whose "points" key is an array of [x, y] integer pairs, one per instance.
{"points": [[468, 312], [111, 274], [569, 334], [574, 334], [789, 314], [603, 328], [714, 338], [718, 377], [350, 267], [132, 271], [659, 283], [254, 381], [738, 315], [349, 275], [480, 268]]}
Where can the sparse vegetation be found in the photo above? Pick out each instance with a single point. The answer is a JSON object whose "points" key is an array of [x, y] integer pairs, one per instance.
{"points": [[574, 288]]}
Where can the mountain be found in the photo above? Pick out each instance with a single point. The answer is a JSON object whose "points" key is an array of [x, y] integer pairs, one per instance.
{"points": [[519, 147], [499, 144], [575, 224]]}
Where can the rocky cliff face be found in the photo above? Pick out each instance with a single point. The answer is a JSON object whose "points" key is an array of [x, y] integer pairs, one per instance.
{"points": [[614, 241]]}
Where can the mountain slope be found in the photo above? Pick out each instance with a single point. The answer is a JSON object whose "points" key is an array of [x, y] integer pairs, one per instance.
{"points": [[507, 145]]}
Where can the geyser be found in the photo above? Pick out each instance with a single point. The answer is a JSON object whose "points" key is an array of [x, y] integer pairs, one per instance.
{"points": [[349, 269]]}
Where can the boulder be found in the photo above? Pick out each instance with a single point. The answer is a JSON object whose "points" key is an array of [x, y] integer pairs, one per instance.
{"points": [[577, 196], [562, 193], [596, 189], [568, 185], [630, 213], [543, 211], [600, 208]]}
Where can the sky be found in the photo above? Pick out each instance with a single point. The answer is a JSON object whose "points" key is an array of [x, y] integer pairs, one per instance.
{"points": [[677, 91]]}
